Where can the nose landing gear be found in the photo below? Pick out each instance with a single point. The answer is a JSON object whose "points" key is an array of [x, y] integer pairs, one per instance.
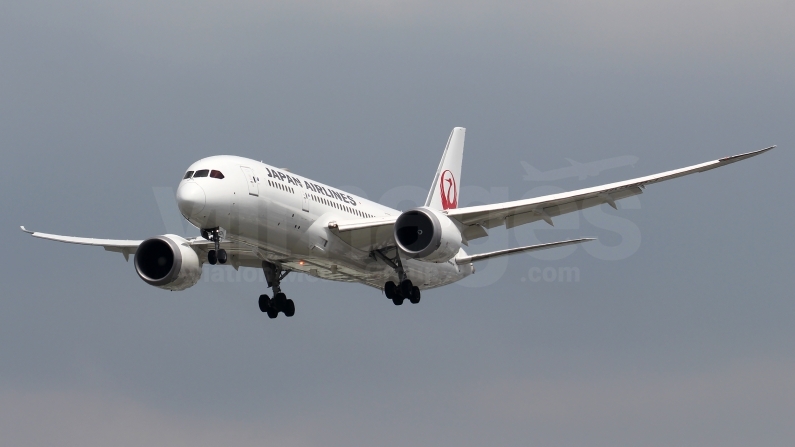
{"points": [[219, 254], [279, 303]]}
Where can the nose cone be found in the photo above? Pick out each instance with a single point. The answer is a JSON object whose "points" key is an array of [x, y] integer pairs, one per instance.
{"points": [[190, 199]]}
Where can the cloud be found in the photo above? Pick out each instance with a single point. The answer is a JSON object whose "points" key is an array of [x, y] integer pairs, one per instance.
{"points": [[741, 404], [732, 406], [667, 28], [79, 418]]}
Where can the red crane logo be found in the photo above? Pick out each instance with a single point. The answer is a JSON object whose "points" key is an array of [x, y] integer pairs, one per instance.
{"points": [[449, 190]]}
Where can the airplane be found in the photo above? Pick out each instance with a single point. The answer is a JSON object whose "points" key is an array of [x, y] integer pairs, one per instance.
{"points": [[251, 214], [577, 169]]}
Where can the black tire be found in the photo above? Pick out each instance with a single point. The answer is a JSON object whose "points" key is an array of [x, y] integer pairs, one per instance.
{"points": [[289, 308], [222, 256], [405, 288], [390, 289], [278, 302], [273, 313], [415, 295], [398, 300], [211, 258], [264, 303]]}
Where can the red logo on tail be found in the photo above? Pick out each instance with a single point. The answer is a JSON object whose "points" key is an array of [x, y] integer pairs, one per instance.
{"points": [[449, 190]]}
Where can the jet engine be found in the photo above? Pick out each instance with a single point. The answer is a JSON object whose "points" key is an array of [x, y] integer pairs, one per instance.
{"points": [[168, 262], [425, 234]]}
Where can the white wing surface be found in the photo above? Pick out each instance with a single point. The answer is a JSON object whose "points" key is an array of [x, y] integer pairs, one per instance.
{"points": [[125, 247], [377, 232], [520, 212], [240, 255]]}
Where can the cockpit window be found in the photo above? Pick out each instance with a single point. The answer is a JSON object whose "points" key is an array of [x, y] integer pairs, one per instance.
{"points": [[201, 173], [187, 175], [216, 174]]}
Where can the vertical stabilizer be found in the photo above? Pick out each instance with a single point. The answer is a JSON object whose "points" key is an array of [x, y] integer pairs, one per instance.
{"points": [[447, 183]]}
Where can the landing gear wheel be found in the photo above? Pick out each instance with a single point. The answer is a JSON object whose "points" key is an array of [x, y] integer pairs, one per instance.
{"points": [[405, 288], [415, 295], [274, 274], [390, 289], [398, 300], [211, 257], [289, 308], [222, 256], [279, 303], [264, 303]]}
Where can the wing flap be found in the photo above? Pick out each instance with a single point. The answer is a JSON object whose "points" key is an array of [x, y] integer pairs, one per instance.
{"points": [[365, 234], [473, 232]]}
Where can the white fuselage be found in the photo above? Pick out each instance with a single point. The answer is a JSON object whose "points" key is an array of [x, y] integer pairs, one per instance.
{"points": [[283, 217]]}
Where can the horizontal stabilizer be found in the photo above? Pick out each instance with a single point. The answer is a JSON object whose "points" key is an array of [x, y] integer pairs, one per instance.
{"points": [[510, 251]]}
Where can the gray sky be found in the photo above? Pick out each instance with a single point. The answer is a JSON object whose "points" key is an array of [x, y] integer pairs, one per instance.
{"points": [[675, 331]]}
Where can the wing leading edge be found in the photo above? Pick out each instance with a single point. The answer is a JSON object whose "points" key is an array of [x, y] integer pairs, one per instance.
{"points": [[125, 247], [520, 212], [368, 234]]}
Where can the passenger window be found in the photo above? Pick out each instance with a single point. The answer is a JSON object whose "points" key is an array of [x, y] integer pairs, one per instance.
{"points": [[216, 174], [201, 173], [187, 175]]}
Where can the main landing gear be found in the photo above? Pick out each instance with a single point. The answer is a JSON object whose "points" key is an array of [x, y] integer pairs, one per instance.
{"points": [[279, 303], [404, 289], [399, 292], [219, 254]]}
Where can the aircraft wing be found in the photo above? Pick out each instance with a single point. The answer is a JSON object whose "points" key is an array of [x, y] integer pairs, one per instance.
{"points": [[125, 247], [240, 255], [201, 246], [544, 208], [368, 234]]}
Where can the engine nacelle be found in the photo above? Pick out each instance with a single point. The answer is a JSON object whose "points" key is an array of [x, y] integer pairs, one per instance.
{"points": [[168, 262], [425, 234]]}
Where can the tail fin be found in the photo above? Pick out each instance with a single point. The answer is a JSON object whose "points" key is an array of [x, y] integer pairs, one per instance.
{"points": [[444, 189]]}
